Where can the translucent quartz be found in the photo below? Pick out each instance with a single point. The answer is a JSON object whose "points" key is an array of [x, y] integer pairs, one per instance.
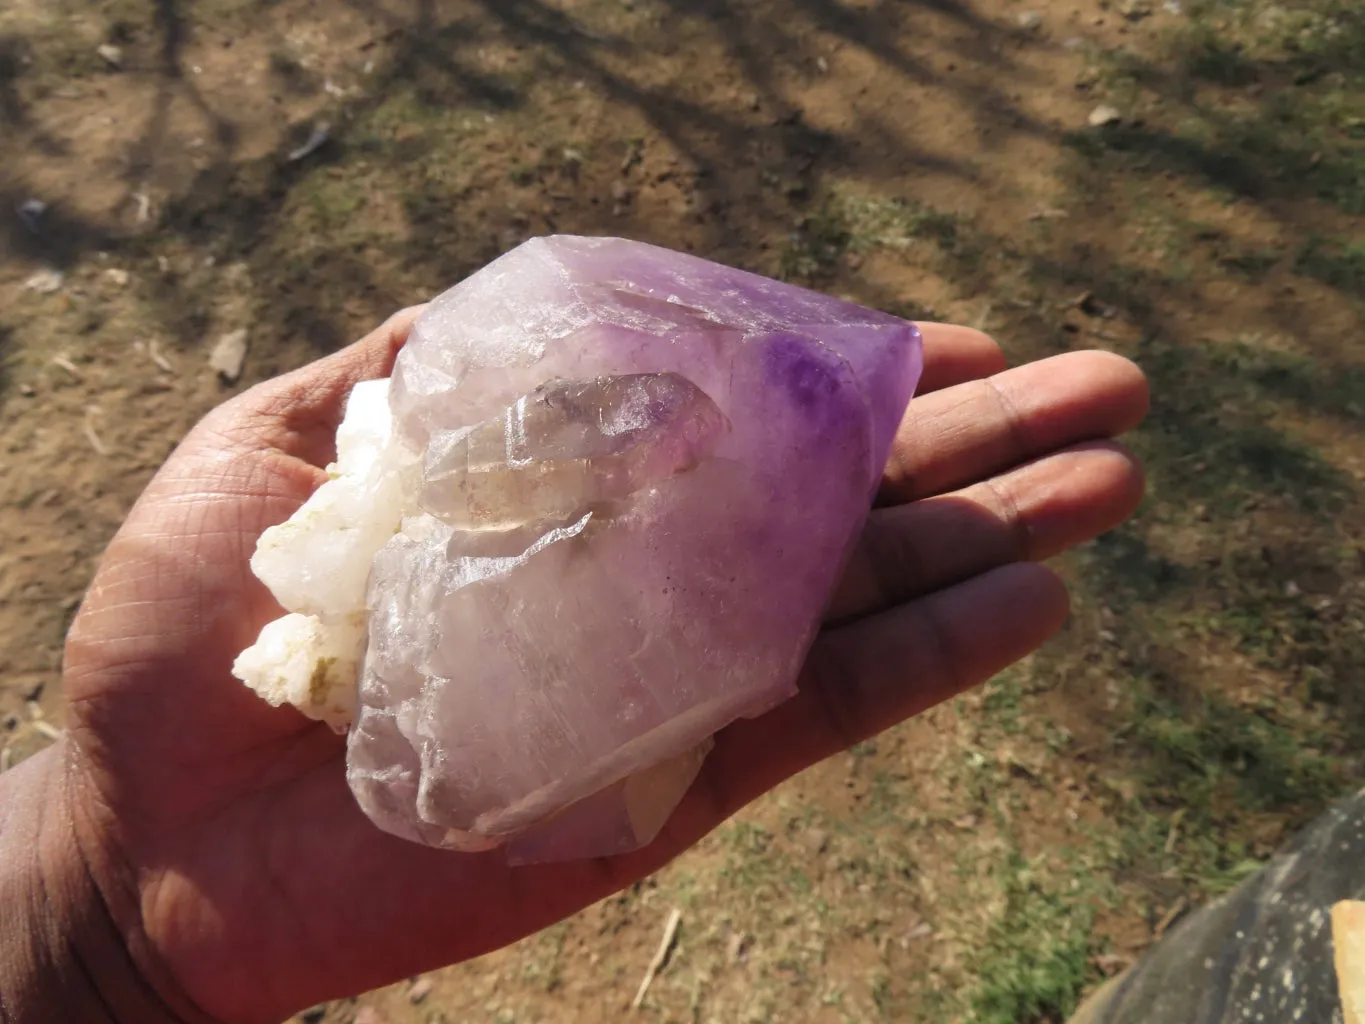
{"points": [[641, 473], [569, 446]]}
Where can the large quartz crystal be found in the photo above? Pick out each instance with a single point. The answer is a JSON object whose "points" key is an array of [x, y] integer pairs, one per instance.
{"points": [[622, 482]]}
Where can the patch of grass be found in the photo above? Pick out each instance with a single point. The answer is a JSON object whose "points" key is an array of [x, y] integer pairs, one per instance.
{"points": [[1322, 37], [1004, 695], [893, 223], [524, 174], [746, 838], [1289, 107], [1252, 264], [1206, 53], [1212, 436], [286, 68], [850, 221], [1341, 265], [882, 997], [1128, 288], [1167, 844], [816, 245], [1237, 706], [542, 967], [1036, 959], [1220, 155], [1266, 461], [47, 41], [334, 199], [1122, 566], [1204, 753]]}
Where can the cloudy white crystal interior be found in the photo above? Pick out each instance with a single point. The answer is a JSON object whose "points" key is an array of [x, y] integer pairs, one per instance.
{"points": [[615, 492]]}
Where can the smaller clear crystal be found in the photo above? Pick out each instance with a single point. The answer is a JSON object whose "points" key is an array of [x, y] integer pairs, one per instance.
{"points": [[569, 446]]}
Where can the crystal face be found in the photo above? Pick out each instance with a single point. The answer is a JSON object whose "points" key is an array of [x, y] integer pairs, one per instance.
{"points": [[638, 476]]}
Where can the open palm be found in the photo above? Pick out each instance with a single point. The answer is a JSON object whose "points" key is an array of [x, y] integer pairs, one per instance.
{"points": [[220, 831]]}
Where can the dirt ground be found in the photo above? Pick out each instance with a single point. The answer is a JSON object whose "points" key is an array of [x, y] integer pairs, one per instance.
{"points": [[1181, 182]]}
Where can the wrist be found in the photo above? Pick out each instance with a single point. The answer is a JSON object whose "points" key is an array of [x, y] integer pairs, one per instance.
{"points": [[62, 954]]}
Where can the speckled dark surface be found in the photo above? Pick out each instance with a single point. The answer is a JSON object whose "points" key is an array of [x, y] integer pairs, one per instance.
{"points": [[1263, 953]]}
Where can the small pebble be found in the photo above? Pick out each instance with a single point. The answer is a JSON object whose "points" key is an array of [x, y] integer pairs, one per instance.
{"points": [[816, 840], [1104, 115], [31, 213], [1030, 21], [737, 947], [421, 988], [44, 282], [228, 355], [112, 55]]}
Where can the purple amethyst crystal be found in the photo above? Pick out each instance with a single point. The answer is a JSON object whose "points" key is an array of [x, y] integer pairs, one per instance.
{"points": [[641, 474]]}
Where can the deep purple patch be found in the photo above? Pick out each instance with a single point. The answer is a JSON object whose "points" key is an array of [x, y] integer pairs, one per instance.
{"points": [[801, 369]]}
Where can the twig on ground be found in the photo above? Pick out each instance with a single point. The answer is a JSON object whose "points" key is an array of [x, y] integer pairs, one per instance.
{"points": [[45, 728], [1169, 919], [660, 957], [88, 426], [157, 356], [60, 359]]}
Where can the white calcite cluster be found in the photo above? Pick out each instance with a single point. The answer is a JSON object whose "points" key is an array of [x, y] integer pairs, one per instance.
{"points": [[317, 564], [594, 519]]}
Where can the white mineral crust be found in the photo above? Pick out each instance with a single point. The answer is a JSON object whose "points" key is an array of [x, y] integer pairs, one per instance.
{"points": [[317, 562]]}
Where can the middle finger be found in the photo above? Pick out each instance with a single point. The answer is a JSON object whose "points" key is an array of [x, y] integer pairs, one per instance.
{"points": [[1030, 513], [962, 434]]}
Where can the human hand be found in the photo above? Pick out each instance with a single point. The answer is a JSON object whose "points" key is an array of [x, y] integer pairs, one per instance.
{"points": [[219, 832]]}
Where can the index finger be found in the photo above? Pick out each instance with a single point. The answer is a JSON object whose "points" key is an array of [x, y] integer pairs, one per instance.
{"points": [[954, 355], [967, 432]]}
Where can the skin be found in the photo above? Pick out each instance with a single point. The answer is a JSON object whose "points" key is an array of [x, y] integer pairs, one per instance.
{"points": [[188, 853]]}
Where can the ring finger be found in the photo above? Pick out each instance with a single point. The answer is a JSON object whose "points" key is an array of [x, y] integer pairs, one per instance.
{"points": [[1029, 513]]}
